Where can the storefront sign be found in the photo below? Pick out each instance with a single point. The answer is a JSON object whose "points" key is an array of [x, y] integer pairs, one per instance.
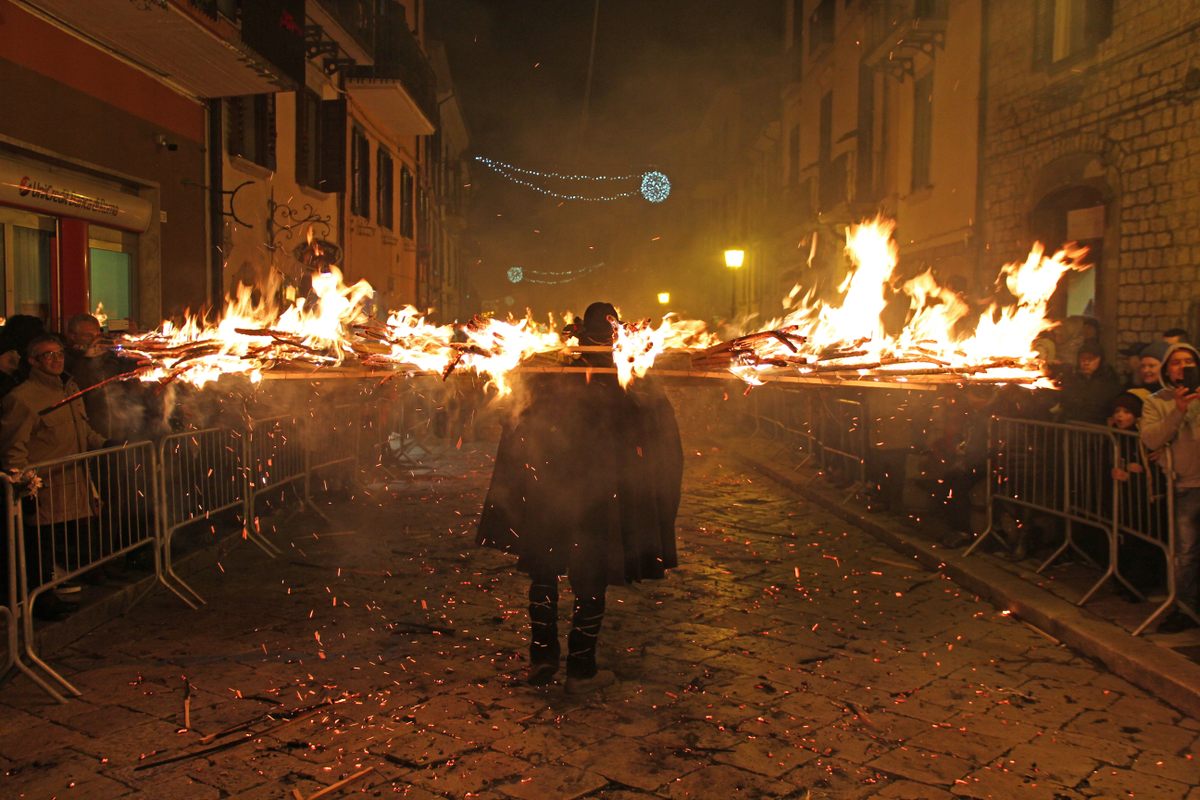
{"points": [[65, 195]]}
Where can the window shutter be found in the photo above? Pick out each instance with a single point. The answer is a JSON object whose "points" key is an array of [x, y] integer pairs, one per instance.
{"points": [[1098, 21], [332, 158], [236, 114], [1043, 32], [304, 142], [266, 134]]}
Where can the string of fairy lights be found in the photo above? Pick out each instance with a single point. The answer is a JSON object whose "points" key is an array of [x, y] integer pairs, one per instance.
{"points": [[652, 185], [518, 274]]}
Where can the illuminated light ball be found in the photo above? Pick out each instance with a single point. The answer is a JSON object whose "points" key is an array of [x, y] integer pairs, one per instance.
{"points": [[508, 301], [655, 186], [515, 274]]}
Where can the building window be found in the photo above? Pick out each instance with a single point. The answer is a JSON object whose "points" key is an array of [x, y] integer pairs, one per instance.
{"points": [[793, 175], [320, 142], [360, 174], [922, 153], [796, 39], [251, 133], [385, 190], [1066, 30], [820, 26], [406, 203]]}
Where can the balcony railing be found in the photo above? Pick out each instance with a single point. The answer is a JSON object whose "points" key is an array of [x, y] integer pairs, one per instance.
{"points": [[400, 62], [355, 17], [902, 29]]}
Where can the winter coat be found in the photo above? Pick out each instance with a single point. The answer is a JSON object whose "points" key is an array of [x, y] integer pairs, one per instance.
{"points": [[27, 438], [587, 480], [1086, 398], [1164, 425]]}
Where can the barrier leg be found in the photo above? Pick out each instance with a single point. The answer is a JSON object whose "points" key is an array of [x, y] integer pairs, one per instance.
{"points": [[1108, 573], [164, 570]]}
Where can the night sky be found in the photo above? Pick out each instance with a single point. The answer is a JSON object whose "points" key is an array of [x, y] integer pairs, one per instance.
{"points": [[520, 73]]}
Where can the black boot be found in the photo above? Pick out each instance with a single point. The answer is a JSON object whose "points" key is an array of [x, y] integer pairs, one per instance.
{"points": [[544, 649], [585, 630]]}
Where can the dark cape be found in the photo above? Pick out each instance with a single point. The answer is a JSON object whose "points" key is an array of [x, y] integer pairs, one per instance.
{"points": [[587, 480]]}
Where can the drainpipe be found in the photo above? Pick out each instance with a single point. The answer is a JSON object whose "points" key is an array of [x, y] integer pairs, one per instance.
{"points": [[981, 136], [216, 207]]}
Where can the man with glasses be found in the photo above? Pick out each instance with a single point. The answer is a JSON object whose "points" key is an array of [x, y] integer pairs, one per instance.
{"points": [[56, 534], [1171, 419]]}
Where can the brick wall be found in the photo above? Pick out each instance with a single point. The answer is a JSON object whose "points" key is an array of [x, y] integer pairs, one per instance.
{"points": [[1127, 117]]}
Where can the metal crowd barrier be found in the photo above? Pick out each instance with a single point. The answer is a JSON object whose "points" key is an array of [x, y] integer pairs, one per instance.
{"points": [[1146, 512], [842, 431], [276, 457], [91, 509], [202, 473], [99, 506], [1066, 470], [785, 414], [336, 445]]}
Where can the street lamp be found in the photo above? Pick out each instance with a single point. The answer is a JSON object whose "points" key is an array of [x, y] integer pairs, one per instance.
{"points": [[734, 258], [664, 298]]}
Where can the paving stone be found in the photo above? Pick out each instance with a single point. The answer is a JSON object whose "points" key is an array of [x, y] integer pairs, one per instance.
{"points": [[766, 755], [998, 783], [968, 745], [1183, 768], [724, 781], [470, 773], [733, 667], [1163, 736], [553, 780], [1048, 759], [911, 790], [645, 763], [924, 766], [1112, 781]]}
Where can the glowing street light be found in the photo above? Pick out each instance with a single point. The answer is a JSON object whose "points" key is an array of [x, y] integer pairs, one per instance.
{"points": [[664, 298], [734, 258]]}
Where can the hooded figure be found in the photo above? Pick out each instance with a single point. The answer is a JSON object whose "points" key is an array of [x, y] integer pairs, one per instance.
{"points": [[587, 484], [1171, 419]]}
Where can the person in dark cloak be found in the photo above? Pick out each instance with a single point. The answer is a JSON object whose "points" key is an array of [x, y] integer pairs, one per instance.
{"points": [[587, 483]]}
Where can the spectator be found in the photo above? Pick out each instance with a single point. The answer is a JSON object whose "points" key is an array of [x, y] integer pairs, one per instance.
{"points": [[28, 437], [1089, 388], [116, 410], [1132, 372], [10, 362], [1150, 367], [20, 330], [1171, 419], [1175, 336]]}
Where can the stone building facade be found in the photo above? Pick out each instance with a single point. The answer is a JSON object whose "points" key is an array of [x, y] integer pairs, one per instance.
{"points": [[1091, 134]]}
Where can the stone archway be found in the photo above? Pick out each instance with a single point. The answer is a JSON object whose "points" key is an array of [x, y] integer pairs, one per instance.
{"points": [[1073, 199]]}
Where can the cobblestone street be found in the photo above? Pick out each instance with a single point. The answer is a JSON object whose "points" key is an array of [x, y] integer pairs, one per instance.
{"points": [[788, 656]]}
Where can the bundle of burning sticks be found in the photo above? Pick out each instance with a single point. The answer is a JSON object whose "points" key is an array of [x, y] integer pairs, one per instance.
{"points": [[328, 335]]}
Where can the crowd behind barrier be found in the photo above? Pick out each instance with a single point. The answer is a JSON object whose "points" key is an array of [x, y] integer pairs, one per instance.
{"points": [[1092, 490], [91, 510]]}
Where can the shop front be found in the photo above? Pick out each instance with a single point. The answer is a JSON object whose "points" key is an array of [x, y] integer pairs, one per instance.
{"points": [[68, 243]]}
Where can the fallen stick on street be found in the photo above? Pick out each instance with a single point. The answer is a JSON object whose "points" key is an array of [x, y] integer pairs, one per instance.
{"points": [[333, 787]]}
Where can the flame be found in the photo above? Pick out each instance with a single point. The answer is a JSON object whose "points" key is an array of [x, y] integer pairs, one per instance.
{"points": [[253, 333], [256, 331], [850, 332], [100, 315], [638, 344]]}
